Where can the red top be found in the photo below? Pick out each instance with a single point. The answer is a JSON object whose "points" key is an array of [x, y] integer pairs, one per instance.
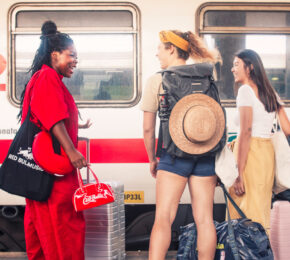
{"points": [[50, 102]]}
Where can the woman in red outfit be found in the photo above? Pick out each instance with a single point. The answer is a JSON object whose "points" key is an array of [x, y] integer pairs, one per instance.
{"points": [[53, 230]]}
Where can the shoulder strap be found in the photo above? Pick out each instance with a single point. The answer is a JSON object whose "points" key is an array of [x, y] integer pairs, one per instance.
{"points": [[160, 141], [228, 196], [214, 86], [276, 124], [231, 236]]}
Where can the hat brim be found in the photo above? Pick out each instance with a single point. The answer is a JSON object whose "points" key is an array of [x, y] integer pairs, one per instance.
{"points": [[176, 123], [44, 155]]}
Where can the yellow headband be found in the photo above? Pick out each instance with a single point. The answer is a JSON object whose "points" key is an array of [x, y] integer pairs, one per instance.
{"points": [[169, 36]]}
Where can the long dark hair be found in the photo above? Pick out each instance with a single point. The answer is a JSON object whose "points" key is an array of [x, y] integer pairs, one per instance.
{"points": [[51, 40], [258, 74]]}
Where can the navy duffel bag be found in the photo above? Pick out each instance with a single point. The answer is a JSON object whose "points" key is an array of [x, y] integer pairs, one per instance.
{"points": [[237, 239]]}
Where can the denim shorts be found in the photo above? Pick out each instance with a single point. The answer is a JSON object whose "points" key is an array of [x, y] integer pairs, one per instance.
{"points": [[203, 166]]}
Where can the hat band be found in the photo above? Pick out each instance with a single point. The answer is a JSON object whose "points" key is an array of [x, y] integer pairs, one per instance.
{"points": [[169, 36]]}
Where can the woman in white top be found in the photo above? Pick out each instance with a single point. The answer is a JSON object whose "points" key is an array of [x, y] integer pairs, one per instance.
{"points": [[257, 103]]}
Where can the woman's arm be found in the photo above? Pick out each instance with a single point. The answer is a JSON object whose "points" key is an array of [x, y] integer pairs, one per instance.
{"points": [[246, 120], [284, 121], [149, 122], [86, 124], [76, 158]]}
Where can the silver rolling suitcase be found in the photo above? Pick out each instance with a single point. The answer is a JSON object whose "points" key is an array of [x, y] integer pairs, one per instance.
{"points": [[105, 228]]}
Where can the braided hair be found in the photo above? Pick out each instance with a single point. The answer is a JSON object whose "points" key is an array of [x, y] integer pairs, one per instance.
{"points": [[51, 40]]}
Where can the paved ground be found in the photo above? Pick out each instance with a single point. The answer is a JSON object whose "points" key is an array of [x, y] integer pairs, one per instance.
{"points": [[13, 256], [131, 255], [134, 255]]}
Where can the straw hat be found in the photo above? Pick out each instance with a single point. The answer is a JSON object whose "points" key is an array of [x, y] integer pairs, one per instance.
{"points": [[196, 123]]}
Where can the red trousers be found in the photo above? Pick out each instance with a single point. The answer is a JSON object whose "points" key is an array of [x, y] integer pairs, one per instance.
{"points": [[53, 230]]}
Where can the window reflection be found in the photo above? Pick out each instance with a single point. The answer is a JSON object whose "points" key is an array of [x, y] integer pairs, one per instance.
{"points": [[105, 69], [273, 50], [246, 18], [263, 27]]}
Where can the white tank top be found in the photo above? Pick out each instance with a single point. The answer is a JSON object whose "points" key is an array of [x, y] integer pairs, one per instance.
{"points": [[262, 120]]}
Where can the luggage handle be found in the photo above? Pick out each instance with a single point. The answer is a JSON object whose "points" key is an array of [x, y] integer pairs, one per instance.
{"points": [[81, 183]]}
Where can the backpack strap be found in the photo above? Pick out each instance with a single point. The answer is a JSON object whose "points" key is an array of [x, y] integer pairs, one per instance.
{"points": [[214, 87], [160, 141], [160, 134]]}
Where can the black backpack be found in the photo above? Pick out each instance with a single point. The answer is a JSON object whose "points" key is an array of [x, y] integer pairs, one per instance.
{"points": [[178, 82]]}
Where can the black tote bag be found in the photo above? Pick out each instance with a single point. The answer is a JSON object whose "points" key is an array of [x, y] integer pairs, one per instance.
{"points": [[237, 239], [19, 174]]}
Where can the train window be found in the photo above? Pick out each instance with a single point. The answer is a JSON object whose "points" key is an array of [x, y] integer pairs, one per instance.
{"points": [[97, 18], [106, 39], [245, 18], [264, 28]]}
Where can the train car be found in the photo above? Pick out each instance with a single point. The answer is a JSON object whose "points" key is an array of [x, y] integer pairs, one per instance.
{"points": [[116, 43]]}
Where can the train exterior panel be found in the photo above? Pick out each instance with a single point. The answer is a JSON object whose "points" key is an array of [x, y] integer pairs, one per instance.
{"points": [[116, 43]]}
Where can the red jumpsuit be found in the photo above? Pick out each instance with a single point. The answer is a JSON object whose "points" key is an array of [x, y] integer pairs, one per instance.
{"points": [[53, 230]]}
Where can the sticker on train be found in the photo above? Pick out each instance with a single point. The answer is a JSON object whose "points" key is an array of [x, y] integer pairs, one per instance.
{"points": [[134, 196]]}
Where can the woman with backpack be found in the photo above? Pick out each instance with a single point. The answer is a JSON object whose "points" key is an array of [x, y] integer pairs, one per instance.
{"points": [[173, 173], [257, 104], [53, 229]]}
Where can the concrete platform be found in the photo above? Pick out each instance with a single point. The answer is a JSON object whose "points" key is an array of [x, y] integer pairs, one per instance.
{"points": [[130, 255], [13, 255], [142, 255]]}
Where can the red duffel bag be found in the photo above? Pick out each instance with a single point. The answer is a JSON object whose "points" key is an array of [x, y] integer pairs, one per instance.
{"points": [[92, 194]]}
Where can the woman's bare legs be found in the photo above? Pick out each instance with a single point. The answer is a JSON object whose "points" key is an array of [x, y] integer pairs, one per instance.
{"points": [[202, 195], [169, 188]]}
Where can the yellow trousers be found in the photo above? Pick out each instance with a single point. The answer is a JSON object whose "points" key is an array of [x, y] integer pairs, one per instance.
{"points": [[258, 180]]}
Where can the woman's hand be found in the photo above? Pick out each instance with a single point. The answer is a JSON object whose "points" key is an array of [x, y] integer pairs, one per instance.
{"points": [[239, 186], [246, 121], [86, 125], [149, 121], [153, 166], [77, 159]]}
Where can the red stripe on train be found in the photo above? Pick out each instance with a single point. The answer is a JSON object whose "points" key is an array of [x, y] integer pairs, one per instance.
{"points": [[103, 150], [2, 87], [118, 151], [4, 146]]}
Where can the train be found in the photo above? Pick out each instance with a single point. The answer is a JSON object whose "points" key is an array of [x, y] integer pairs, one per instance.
{"points": [[117, 43]]}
